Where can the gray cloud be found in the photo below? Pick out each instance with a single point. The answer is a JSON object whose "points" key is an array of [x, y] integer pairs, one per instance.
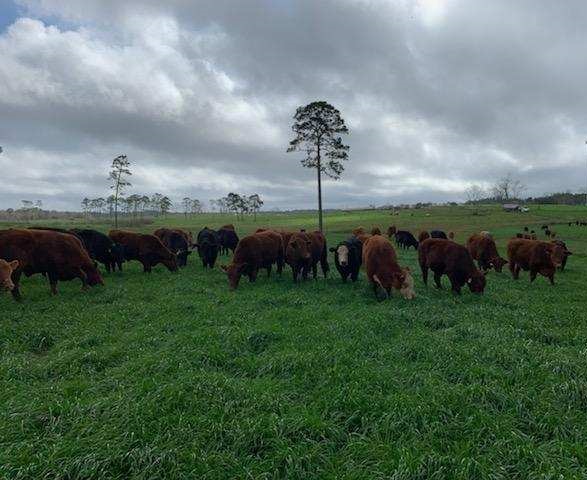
{"points": [[438, 94]]}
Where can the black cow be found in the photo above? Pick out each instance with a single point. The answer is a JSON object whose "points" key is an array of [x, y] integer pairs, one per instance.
{"points": [[101, 248], [438, 234], [405, 240], [228, 240], [348, 257], [208, 246]]}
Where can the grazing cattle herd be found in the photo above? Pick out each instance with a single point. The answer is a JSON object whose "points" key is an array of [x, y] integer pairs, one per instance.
{"points": [[61, 254]]}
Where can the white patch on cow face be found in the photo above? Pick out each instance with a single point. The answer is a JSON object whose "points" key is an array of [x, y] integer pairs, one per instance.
{"points": [[342, 253]]}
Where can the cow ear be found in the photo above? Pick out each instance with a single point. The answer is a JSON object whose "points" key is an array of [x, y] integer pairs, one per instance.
{"points": [[14, 264]]}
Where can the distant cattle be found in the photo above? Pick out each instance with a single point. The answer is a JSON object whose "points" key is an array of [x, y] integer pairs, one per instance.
{"points": [[6, 269], [101, 248], [483, 249], [438, 234], [60, 256], [208, 245], [536, 256], [423, 235], [383, 270], [177, 242], [405, 239], [147, 249], [566, 253], [348, 256], [260, 250], [445, 257], [228, 239]]}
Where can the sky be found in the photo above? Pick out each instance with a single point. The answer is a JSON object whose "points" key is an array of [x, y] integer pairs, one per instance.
{"points": [[438, 95]]}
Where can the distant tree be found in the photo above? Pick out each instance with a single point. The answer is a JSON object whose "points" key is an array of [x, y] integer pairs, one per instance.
{"points": [[187, 205], [317, 128], [165, 205], [110, 205], [507, 188], [255, 204], [196, 206], [475, 193], [86, 205], [233, 202], [155, 202], [120, 170]]}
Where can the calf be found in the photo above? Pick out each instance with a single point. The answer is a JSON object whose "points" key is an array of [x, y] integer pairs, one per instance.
{"points": [[438, 234], [101, 248], [228, 240], [260, 250], [405, 239], [483, 249], [147, 249], [177, 242], [6, 269], [445, 257], [348, 257], [208, 246], [383, 271], [538, 257], [59, 256]]}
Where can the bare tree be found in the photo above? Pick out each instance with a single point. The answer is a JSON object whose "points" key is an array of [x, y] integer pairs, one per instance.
{"points": [[474, 193], [186, 203], [255, 204], [508, 188], [317, 128], [120, 170]]}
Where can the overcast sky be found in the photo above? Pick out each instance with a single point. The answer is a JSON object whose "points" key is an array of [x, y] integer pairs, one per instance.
{"points": [[437, 95]]}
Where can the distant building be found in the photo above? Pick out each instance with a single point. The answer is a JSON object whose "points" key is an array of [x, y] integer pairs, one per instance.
{"points": [[511, 207]]}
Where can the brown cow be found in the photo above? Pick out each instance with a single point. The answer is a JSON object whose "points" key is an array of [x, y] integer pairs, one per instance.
{"points": [[6, 269], [483, 249], [536, 256], [298, 253], [259, 250], [147, 249], [383, 271], [59, 256], [445, 257], [423, 235]]}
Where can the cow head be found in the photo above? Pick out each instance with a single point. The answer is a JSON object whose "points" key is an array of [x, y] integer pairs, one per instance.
{"points": [[497, 263], [182, 257], [557, 254], [341, 253], [233, 272], [93, 276], [6, 269], [170, 261], [299, 248], [477, 282]]}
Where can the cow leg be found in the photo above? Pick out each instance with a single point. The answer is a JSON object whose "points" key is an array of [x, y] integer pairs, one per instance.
{"points": [[424, 269], [16, 281], [253, 274], [355, 276], [146, 267], [516, 271], [269, 271], [84, 278], [315, 271], [52, 282], [455, 287], [437, 279], [107, 265], [551, 278], [533, 274]]}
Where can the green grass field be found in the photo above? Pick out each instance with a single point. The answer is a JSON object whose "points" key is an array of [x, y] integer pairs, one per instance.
{"points": [[173, 376]]}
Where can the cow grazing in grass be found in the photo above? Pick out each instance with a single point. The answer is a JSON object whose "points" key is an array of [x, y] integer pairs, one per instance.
{"points": [[348, 256], [59, 256], [228, 240], [383, 270], [6, 269], [535, 256], [208, 245], [445, 257], [259, 250], [147, 249], [405, 239], [423, 235], [101, 248], [177, 242], [566, 253], [438, 234], [483, 249]]}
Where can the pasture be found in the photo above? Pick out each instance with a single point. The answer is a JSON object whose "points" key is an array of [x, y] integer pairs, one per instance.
{"points": [[171, 375]]}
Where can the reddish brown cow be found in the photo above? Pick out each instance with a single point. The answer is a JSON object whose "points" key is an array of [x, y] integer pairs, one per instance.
{"points": [[59, 256], [536, 256], [6, 269], [260, 250], [147, 249], [383, 271], [298, 253], [483, 249], [423, 235], [445, 257]]}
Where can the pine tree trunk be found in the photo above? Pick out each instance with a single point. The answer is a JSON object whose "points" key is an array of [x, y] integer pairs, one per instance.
{"points": [[319, 197]]}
